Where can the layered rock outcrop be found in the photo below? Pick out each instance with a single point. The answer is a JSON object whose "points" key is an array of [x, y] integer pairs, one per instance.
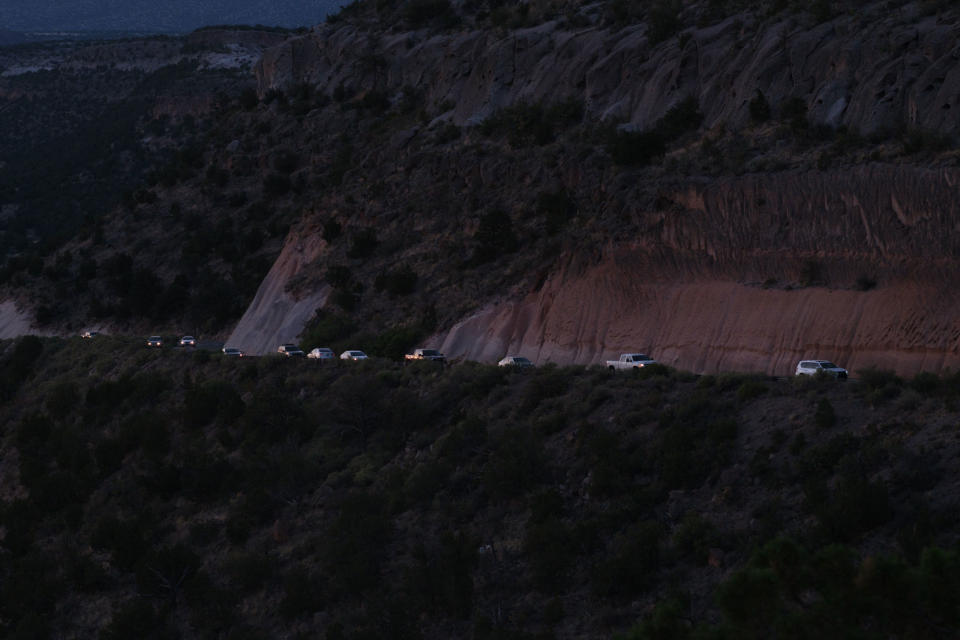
{"points": [[755, 273]]}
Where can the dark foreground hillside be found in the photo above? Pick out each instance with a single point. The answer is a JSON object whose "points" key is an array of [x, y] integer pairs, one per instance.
{"points": [[163, 494]]}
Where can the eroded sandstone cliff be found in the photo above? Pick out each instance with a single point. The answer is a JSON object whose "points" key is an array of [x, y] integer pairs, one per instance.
{"points": [[755, 273]]}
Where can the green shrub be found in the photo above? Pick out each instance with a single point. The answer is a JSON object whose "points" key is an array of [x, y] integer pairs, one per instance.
{"points": [[355, 543], [549, 545], [363, 243], [865, 283], [249, 571], [669, 620], [426, 480], [750, 389], [494, 237], [326, 329], [939, 578], [694, 537], [749, 599], [149, 432], [527, 124], [926, 383], [759, 107], [401, 281], [635, 147], [346, 300], [136, 618], [164, 572], [123, 538], [248, 99], [395, 342], [209, 401], [33, 433], [464, 436], [420, 13], [683, 117], [557, 207], [547, 382], [516, 464], [794, 111], [854, 507], [664, 19], [654, 370], [331, 229], [630, 566], [17, 366], [109, 455], [442, 573], [811, 274], [688, 451], [32, 584], [286, 161], [876, 379], [63, 399], [276, 185], [88, 575], [301, 593], [824, 417]]}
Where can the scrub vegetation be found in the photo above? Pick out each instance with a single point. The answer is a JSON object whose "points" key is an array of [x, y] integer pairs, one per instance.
{"points": [[168, 493]]}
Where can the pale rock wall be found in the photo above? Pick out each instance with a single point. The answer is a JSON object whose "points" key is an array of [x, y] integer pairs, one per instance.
{"points": [[13, 322], [276, 316]]}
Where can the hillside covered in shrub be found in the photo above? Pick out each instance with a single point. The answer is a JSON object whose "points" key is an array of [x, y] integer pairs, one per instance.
{"points": [[162, 494]]}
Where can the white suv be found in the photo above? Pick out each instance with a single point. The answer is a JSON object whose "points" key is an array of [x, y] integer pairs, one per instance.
{"points": [[290, 350], [813, 367]]}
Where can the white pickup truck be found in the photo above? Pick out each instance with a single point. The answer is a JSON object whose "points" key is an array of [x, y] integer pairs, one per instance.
{"points": [[631, 361]]}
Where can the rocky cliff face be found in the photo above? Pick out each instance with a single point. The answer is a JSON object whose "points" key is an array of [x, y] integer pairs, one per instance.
{"points": [[874, 70], [751, 272]]}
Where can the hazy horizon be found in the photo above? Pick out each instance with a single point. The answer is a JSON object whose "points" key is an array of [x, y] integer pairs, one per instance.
{"points": [[31, 16]]}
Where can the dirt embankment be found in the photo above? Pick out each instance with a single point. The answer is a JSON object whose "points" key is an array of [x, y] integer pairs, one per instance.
{"points": [[754, 274], [715, 326]]}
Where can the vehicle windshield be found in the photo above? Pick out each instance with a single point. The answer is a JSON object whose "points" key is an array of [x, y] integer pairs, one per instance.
{"points": [[638, 357], [356, 354], [521, 361], [828, 365], [430, 352]]}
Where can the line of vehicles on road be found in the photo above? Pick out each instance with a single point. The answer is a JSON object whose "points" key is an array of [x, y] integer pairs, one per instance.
{"points": [[625, 361]]}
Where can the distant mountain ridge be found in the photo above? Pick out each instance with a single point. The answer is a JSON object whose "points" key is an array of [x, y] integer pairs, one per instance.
{"points": [[140, 15], [11, 37]]}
